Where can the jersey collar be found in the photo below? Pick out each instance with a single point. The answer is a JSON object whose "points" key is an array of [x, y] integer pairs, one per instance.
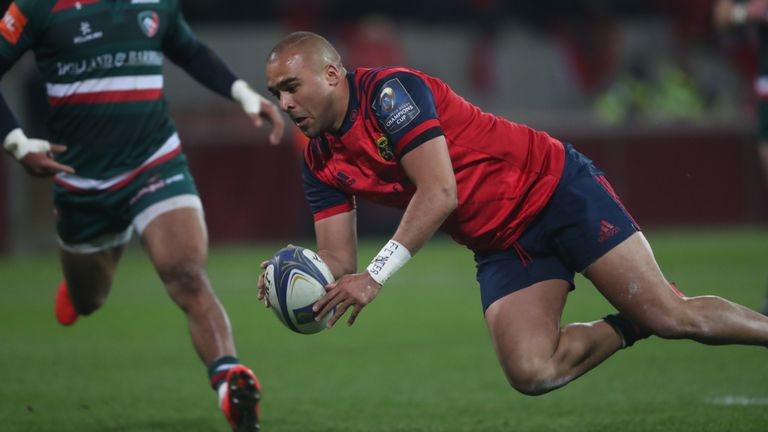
{"points": [[353, 106]]}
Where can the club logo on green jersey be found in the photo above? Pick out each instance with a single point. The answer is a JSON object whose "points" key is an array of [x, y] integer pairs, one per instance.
{"points": [[149, 22], [86, 34]]}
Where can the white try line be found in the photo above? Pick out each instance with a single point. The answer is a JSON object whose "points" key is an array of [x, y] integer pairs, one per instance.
{"points": [[738, 401]]}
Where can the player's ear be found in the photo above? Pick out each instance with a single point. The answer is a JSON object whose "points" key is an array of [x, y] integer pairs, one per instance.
{"points": [[334, 75]]}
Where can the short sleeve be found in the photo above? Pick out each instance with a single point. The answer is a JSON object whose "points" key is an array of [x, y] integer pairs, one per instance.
{"points": [[404, 108], [324, 200]]}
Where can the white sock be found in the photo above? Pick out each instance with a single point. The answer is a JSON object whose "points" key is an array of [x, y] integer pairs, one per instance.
{"points": [[222, 390]]}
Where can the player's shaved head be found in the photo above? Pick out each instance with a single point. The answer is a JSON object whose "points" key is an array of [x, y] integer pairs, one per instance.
{"points": [[314, 49], [305, 74]]}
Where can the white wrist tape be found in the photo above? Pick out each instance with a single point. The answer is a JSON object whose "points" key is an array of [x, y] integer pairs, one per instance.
{"points": [[389, 260], [739, 13], [249, 99], [19, 145]]}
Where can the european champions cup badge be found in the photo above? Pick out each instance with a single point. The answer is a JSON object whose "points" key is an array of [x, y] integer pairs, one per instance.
{"points": [[396, 106], [387, 99], [149, 22]]}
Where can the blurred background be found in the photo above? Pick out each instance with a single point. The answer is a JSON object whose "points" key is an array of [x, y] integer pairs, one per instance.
{"points": [[649, 89]]}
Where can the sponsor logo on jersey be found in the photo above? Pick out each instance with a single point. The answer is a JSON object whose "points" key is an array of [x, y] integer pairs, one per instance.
{"points": [[154, 184], [12, 24], [149, 22], [87, 34], [110, 61], [396, 107], [382, 145]]}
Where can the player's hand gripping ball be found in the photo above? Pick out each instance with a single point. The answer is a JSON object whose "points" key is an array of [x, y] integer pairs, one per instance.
{"points": [[294, 280]]}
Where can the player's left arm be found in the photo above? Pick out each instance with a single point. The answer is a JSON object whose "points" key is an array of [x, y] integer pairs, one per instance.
{"points": [[429, 168], [200, 62]]}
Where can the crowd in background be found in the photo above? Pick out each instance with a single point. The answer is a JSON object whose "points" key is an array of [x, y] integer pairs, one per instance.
{"points": [[589, 35], [587, 32], [576, 68]]}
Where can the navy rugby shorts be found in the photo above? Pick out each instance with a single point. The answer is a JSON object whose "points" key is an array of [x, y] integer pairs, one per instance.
{"points": [[583, 220]]}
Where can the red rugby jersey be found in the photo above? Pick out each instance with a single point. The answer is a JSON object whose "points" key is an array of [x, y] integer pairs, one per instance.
{"points": [[505, 172]]}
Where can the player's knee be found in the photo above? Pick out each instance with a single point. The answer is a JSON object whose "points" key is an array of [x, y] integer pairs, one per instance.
{"points": [[186, 281], [531, 378], [179, 271], [674, 321]]}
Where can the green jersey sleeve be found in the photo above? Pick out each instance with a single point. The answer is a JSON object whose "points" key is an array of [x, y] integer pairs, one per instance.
{"points": [[179, 36], [20, 29]]}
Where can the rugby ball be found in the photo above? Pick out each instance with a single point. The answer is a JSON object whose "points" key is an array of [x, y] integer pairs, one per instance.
{"points": [[295, 279]]}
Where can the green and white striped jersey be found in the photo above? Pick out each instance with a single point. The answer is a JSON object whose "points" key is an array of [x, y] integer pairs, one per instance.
{"points": [[102, 62]]}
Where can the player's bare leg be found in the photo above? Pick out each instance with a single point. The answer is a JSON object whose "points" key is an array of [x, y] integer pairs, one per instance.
{"points": [[536, 353], [177, 244], [630, 279], [89, 277]]}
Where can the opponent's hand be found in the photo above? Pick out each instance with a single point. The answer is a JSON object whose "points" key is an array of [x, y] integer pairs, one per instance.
{"points": [[35, 155], [356, 290], [259, 108], [270, 112], [262, 295], [42, 164]]}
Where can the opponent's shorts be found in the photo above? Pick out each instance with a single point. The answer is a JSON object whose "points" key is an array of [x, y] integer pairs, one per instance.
{"points": [[92, 221], [583, 220]]}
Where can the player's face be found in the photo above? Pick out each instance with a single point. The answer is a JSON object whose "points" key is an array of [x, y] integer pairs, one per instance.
{"points": [[303, 92]]}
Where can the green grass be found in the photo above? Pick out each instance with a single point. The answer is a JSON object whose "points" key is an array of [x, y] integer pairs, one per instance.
{"points": [[419, 358]]}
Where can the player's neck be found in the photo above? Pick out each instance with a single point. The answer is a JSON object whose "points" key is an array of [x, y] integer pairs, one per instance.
{"points": [[341, 101]]}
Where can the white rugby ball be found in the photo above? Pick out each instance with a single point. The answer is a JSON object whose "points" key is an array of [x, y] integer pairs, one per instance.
{"points": [[295, 279]]}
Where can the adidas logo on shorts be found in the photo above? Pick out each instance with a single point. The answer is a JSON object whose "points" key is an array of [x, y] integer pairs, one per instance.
{"points": [[606, 231]]}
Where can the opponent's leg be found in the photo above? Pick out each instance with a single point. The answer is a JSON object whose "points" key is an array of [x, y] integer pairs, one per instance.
{"points": [[177, 244], [629, 277], [87, 281], [536, 353]]}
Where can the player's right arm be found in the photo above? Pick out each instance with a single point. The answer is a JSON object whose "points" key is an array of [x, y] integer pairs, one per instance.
{"points": [[335, 227], [19, 29], [335, 223], [337, 242], [729, 13]]}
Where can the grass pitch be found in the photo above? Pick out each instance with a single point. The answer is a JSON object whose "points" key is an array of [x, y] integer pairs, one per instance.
{"points": [[418, 359]]}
